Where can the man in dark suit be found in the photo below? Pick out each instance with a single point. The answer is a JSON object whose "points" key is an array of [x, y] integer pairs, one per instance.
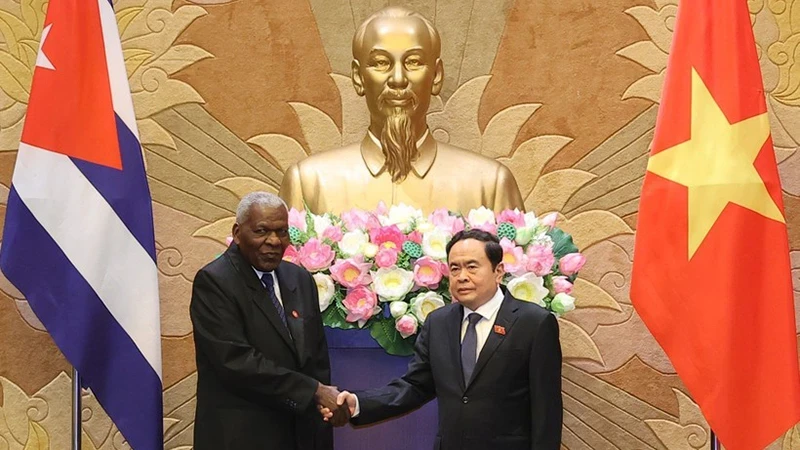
{"points": [[492, 362], [262, 357]]}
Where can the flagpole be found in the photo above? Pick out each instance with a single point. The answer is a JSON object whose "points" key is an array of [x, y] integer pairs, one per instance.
{"points": [[76, 410], [714, 441]]}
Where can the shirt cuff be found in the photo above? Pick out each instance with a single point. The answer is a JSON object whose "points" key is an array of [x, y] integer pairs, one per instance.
{"points": [[357, 408]]}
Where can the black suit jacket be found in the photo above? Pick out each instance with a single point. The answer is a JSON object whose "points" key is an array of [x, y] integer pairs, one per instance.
{"points": [[512, 402], [255, 382]]}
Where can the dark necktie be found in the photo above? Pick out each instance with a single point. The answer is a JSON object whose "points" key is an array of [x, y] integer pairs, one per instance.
{"points": [[469, 347], [269, 282]]}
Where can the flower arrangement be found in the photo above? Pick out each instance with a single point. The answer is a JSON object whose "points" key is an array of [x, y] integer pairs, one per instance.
{"points": [[386, 269]]}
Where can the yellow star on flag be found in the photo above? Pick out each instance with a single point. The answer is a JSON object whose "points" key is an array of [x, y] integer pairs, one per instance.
{"points": [[716, 164]]}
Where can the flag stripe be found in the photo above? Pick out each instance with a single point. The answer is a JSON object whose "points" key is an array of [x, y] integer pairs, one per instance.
{"points": [[126, 384], [126, 190], [88, 231], [117, 73]]}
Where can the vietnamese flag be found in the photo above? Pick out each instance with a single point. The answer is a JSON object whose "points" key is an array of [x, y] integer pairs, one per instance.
{"points": [[711, 275]]}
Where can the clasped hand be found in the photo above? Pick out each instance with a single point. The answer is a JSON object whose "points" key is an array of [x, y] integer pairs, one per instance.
{"points": [[329, 403], [346, 402]]}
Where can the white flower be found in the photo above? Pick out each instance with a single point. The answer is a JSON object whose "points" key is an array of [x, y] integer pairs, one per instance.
{"points": [[321, 223], [392, 283], [530, 220], [480, 216], [370, 250], [423, 226], [524, 235], [426, 303], [562, 303], [434, 244], [402, 215], [529, 288], [398, 308], [325, 288], [543, 239], [353, 242]]}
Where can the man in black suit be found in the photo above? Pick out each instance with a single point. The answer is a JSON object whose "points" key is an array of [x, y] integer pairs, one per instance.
{"points": [[493, 362], [262, 357]]}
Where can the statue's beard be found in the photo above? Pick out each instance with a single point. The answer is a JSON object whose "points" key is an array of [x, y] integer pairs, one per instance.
{"points": [[397, 137]]}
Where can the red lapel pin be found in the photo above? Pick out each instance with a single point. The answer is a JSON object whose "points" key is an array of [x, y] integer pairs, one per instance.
{"points": [[295, 314], [501, 330]]}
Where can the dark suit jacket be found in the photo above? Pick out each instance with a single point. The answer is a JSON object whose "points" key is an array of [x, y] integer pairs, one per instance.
{"points": [[512, 402], [255, 383]]}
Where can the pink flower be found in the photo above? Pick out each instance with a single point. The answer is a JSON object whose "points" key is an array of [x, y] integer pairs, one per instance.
{"points": [[415, 236], [316, 256], [360, 303], [386, 257], [540, 259], [550, 219], [297, 219], [571, 263], [228, 241], [514, 217], [387, 237], [358, 219], [561, 285], [333, 233], [406, 325], [351, 272], [442, 220], [382, 209], [428, 272], [514, 258], [488, 227], [291, 254]]}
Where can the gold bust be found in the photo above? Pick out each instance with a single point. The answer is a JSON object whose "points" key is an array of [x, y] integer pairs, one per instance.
{"points": [[396, 67]]}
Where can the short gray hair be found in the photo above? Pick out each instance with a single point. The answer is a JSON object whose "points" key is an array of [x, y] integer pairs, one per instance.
{"points": [[257, 198]]}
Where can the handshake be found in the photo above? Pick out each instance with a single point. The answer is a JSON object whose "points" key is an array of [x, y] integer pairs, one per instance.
{"points": [[336, 407]]}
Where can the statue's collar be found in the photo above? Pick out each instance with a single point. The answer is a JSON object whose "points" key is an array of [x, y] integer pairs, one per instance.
{"points": [[376, 163]]}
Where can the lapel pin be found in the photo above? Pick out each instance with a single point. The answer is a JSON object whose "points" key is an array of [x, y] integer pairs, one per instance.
{"points": [[499, 329], [295, 314]]}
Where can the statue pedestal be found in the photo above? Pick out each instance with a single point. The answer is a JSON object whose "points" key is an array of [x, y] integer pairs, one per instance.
{"points": [[358, 362]]}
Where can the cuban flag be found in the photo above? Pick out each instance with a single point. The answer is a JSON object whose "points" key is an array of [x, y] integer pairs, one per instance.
{"points": [[78, 238]]}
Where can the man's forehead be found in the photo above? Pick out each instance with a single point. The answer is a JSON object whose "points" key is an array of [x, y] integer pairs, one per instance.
{"points": [[397, 34], [468, 250], [264, 212]]}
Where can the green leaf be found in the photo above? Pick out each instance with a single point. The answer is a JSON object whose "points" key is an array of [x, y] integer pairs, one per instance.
{"points": [[335, 318], [389, 338], [562, 243]]}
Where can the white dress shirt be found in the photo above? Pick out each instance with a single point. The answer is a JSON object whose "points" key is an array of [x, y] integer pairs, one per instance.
{"points": [[275, 279], [488, 312]]}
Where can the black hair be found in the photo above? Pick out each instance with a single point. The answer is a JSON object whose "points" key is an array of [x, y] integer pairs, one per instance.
{"points": [[491, 244]]}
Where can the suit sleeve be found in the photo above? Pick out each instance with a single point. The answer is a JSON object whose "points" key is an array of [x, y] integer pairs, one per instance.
{"points": [[403, 394], [219, 336], [322, 362], [545, 386]]}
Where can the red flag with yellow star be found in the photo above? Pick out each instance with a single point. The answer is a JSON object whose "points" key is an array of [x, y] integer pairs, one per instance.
{"points": [[711, 274]]}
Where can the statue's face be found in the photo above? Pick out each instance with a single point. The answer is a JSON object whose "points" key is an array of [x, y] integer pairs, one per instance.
{"points": [[396, 68]]}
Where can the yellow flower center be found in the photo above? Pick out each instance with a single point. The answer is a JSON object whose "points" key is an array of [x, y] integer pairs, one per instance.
{"points": [[509, 258], [389, 244], [426, 271], [427, 308], [351, 273], [523, 292]]}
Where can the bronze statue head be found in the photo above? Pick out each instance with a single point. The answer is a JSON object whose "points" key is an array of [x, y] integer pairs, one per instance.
{"points": [[397, 68]]}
